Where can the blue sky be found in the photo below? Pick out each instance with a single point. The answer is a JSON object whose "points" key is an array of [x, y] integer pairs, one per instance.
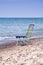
{"points": [[21, 8]]}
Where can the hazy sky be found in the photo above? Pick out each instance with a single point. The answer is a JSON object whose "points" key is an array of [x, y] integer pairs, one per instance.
{"points": [[21, 8]]}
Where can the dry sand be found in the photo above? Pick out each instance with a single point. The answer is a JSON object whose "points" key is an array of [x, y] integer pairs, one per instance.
{"points": [[31, 54]]}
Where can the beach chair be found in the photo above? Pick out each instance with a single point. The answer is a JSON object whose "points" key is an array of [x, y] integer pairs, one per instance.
{"points": [[28, 35]]}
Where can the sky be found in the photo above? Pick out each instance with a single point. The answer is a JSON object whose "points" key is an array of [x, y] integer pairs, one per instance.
{"points": [[21, 8]]}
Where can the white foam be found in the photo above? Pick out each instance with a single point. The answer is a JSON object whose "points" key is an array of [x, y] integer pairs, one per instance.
{"points": [[2, 38]]}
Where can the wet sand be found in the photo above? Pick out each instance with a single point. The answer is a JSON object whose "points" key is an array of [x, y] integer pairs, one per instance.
{"points": [[15, 54]]}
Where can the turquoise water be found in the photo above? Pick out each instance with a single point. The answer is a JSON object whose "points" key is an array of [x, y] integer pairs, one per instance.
{"points": [[11, 27]]}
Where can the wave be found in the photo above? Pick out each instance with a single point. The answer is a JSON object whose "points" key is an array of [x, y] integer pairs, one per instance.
{"points": [[34, 34], [14, 38], [3, 38]]}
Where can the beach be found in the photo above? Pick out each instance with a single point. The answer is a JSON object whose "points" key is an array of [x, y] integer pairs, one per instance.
{"points": [[15, 54]]}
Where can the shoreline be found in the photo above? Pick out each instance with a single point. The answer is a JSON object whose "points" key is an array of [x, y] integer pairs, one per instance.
{"points": [[16, 43]]}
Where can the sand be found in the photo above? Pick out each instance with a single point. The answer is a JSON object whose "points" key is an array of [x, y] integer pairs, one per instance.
{"points": [[30, 54]]}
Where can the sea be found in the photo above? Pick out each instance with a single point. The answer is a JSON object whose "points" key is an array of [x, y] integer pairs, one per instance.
{"points": [[12, 27]]}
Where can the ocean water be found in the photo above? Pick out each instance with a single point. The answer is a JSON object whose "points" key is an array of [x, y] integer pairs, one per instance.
{"points": [[11, 27]]}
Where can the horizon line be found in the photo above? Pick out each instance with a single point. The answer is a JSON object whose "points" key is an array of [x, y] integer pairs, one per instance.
{"points": [[21, 17]]}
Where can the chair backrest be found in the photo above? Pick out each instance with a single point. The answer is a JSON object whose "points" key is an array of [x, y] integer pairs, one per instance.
{"points": [[29, 31]]}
